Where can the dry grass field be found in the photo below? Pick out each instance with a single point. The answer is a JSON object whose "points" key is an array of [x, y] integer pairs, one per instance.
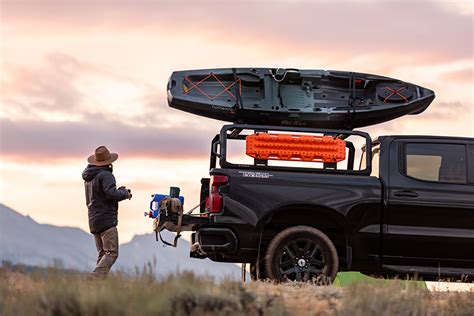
{"points": [[49, 292]]}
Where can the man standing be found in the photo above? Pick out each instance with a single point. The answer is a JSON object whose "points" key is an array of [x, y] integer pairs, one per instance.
{"points": [[102, 197]]}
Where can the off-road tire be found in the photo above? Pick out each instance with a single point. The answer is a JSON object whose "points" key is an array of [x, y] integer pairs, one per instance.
{"points": [[290, 245]]}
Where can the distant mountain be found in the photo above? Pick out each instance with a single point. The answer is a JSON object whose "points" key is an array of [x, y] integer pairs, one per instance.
{"points": [[24, 241]]}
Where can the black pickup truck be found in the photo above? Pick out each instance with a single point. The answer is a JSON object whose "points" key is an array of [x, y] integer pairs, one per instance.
{"points": [[406, 209]]}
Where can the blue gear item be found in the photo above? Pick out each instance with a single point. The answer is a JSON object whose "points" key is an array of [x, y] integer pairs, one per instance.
{"points": [[156, 201]]}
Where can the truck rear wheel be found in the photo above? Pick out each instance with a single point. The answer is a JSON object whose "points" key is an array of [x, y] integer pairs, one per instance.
{"points": [[301, 253]]}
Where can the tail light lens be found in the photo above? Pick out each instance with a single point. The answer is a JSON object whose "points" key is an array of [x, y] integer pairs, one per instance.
{"points": [[215, 201]]}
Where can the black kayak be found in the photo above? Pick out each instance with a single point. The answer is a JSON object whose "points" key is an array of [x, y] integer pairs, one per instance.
{"points": [[292, 97]]}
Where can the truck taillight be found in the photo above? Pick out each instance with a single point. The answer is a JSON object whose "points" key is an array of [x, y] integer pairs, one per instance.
{"points": [[215, 201]]}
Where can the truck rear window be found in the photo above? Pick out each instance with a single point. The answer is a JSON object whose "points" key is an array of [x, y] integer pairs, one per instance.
{"points": [[436, 162]]}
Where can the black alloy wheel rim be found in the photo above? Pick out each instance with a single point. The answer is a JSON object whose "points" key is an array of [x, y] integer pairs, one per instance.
{"points": [[301, 260]]}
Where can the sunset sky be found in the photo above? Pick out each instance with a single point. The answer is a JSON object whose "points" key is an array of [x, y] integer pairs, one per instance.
{"points": [[78, 74]]}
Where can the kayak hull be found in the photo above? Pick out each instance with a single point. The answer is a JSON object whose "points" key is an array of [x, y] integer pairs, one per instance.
{"points": [[309, 98]]}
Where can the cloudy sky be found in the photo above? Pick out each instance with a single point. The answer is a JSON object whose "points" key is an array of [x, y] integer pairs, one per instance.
{"points": [[82, 73]]}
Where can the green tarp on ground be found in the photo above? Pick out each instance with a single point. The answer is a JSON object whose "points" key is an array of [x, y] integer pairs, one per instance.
{"points": [[347, 278]]}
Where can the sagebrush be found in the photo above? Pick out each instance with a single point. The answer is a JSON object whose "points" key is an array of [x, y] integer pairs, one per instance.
{"points": [[52, 292]]}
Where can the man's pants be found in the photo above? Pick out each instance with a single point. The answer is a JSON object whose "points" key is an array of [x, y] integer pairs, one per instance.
{"points": [[107, 247]]}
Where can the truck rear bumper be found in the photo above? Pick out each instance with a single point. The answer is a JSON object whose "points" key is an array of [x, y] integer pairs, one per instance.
{"points": [[208, 241]]}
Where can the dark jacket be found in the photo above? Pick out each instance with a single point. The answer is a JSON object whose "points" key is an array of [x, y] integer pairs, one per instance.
{"points": [[102, 197]]}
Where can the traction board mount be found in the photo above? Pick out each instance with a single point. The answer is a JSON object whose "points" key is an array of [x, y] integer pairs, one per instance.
{"points": [[269, 146]]}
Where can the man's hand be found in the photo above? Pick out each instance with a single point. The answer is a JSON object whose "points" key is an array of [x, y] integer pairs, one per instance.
{"points": [[129, 192]]}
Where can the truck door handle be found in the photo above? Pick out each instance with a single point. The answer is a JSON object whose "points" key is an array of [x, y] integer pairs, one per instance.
{"points": [[406, 193]]}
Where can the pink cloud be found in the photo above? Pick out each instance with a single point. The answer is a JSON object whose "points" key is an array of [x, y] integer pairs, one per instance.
{"points": [[48, 88], [404, 31], [36, 140]]}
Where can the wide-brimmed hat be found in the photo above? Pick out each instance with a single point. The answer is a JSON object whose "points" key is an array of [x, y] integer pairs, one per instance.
{"points": [[102, 157]]}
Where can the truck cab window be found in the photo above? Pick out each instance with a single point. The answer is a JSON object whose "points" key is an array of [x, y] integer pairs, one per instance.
{"points": [[436, 162]]}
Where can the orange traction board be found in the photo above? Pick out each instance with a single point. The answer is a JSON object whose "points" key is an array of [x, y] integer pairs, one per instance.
{"points": [[267, 146]]}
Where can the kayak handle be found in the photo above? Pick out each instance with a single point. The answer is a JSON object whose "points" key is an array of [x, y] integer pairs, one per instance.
{"points": [[285, 71]]}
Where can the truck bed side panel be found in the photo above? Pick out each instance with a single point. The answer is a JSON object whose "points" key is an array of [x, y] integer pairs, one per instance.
{"points": [[251, 197]]}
